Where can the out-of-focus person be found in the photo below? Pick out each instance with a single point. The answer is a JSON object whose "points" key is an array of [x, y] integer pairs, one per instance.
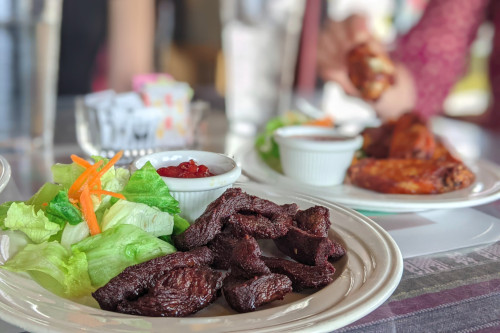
{"points": [[428, 59]]}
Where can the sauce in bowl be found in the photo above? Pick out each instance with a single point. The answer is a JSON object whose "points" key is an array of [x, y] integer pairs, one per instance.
{"points": [[189, 169]]}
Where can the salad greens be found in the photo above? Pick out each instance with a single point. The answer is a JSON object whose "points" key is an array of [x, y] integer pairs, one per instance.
{"points": [[131, 216], [266, 146]]}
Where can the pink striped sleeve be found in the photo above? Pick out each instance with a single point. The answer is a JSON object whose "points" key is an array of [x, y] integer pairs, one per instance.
{"points": [[436, 49]]}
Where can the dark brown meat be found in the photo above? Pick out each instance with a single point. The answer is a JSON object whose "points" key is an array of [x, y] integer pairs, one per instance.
{"points": [[178, 293], [257, 226], [290, 209], [232, 201], [302, 276], [412, 138], [314, 220], [222, 247], [136, 280], [247, 295], [410, 176], [245, 262], [377, 140], [306, 248]]}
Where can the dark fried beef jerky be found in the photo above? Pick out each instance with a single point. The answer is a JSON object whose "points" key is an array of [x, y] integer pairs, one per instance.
{"points": [[290, 209], [257, 226], [314, 220], [338, 251], [136, 280], [306, 248], [247, 295], [222, 247], [178, 293], [232, 201], [245, 260], [302, 276]]}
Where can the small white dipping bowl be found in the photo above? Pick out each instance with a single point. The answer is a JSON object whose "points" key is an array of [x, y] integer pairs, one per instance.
{"points": [[315, 155], [194, 194]]}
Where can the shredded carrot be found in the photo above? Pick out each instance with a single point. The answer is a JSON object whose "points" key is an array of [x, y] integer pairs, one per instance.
{"points": [[45, 204], [88, 211], [326, 122], [80, 161], [105, 168], [103, 192], [82, 179]]}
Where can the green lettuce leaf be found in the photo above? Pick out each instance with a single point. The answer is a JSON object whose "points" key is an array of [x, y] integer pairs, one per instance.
{"points": [[4, 208], [111, 251], [265, 145], [66, 174], [149, 219], [54, 268], [45, 194], [72, 234], [180, 224], [146, 186], [35, 225], [60, 210]]}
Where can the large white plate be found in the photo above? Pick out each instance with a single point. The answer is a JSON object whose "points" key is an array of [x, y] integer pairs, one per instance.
{"points": [[485, 189], [368, 275]]}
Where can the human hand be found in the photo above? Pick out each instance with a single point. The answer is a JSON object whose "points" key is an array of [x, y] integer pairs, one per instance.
{"points": [[335, 41]]}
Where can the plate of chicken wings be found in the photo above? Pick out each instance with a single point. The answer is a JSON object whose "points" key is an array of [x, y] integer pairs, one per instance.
{"points": [[402, 167], [359, 270]]}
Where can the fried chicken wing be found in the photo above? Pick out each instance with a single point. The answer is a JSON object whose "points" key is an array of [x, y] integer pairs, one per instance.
{"points": [[412, 138], [410, 176], [371, 71]]}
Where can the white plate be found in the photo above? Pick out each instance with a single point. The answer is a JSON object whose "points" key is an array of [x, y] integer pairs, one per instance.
{"points": [[485, 189], [4, 173], [368, 275]]}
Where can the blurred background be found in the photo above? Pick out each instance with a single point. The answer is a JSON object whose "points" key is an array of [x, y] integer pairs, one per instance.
{"points": [[239, 55]]}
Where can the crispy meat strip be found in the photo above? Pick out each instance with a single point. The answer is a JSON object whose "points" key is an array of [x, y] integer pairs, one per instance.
{"points": [[222, 247], [232, 201], [136, 280], [302, 276], [306, 248], [245, 260], [178, 293], [247, 295], [314, 220], [257, 226]]}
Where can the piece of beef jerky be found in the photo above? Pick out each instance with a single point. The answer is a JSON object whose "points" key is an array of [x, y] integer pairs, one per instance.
{"points": [[314, 220], [306, 248], [222, 247], [247, 295], [245, 262], [232, 201], [178, 293], [302, 276], [257, 226], [136, 280]]}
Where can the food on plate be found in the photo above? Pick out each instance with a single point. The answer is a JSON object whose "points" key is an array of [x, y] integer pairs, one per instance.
{"points": [[189, 169], [265, 144], [216, 240], [89, 224], [405, 157], [410, 176], [370, 70]]}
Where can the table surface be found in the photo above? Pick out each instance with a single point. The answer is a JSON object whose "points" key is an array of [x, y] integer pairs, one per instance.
{"points": [[447, 288]]}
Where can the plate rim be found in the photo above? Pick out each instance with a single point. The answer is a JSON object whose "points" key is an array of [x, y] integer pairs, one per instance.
{"points": [[390, 203], [378, 293]]}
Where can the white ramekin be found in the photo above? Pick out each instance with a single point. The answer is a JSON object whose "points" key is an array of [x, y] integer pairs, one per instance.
{"points": [[194, 194], [319, 163]]}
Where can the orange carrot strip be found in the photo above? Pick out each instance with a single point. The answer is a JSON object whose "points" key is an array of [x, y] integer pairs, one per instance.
{"points": [[80, 161], [88, 211], [82, 179], [326, 122], [105, 168], [113, 194]]}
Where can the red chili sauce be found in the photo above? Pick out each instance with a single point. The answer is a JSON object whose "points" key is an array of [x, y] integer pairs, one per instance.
{"points": [[189, 169]]}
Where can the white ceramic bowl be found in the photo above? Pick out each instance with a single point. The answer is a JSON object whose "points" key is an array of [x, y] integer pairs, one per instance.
{"points": [[315, 155], [194, 194]]}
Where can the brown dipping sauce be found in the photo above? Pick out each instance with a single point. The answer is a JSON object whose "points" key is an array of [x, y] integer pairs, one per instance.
{"points": [[321, 137]]}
